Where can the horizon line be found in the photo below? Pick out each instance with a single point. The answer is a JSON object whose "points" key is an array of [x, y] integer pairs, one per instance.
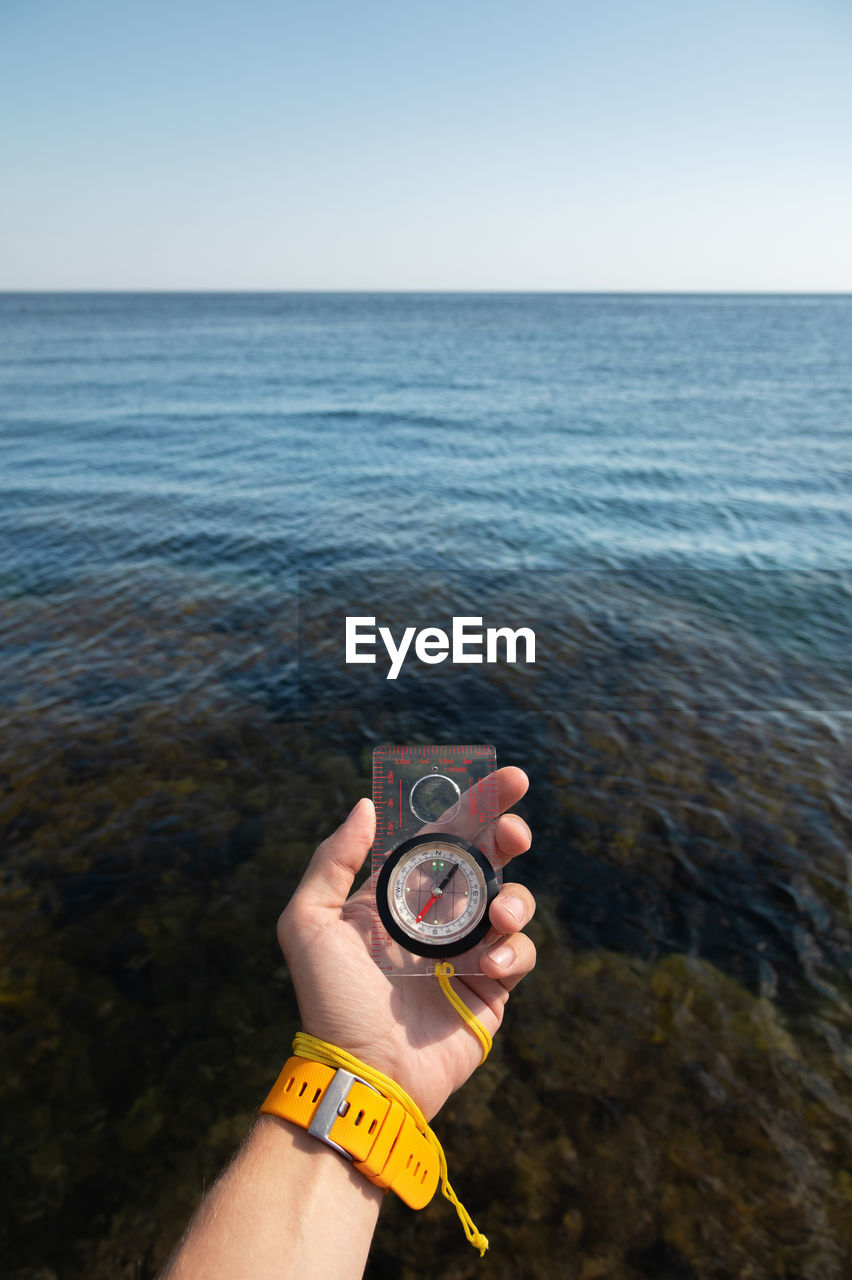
{"points": [[620, 293]]}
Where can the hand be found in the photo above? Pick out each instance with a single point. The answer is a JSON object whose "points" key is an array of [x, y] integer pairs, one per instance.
{"points": [[405, 1027]]}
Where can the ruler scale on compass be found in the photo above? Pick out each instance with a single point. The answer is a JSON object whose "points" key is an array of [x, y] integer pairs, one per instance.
{"points": [[434, 865]]}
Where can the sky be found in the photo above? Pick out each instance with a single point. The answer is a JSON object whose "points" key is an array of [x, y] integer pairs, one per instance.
{"points": [[618, 145]]}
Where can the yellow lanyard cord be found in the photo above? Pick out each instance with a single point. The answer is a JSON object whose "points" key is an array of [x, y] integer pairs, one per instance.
{"points": [[306, 1046], [443, 972]]}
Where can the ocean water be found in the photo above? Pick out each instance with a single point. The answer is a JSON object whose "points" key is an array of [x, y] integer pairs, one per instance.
{"points": [[194, 490], [267, 434]]}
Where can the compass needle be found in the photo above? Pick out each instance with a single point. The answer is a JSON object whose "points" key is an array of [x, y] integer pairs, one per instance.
{"points": [[438, 892], [429, 905]]}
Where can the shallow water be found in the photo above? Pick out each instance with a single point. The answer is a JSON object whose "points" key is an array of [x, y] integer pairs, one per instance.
{"points": [[659, 486]]}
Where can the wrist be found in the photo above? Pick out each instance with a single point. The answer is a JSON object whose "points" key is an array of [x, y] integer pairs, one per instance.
{"points": [[282, 1209], [280, 1140]]}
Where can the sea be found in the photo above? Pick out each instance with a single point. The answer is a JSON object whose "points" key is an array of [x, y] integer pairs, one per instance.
{"points": [[196, 490]]}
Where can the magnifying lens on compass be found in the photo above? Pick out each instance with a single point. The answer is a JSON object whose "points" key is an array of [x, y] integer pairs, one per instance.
{"points": [[433, 893], [435, 798]]}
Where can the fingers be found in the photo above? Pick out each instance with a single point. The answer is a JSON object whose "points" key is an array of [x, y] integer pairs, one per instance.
{"points": [[512, 909], [328, 878], [512, 955], [512, 837], [512, 784], [509, 960], [477, 804]]}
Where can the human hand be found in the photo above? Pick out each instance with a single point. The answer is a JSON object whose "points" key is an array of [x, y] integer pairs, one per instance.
{"points": [[404, 1027]]}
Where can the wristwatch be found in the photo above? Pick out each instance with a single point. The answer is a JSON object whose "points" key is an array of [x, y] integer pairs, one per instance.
{"points": [[375, 1133]]}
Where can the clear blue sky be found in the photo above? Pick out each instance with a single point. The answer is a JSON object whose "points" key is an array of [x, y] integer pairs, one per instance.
{"points": [[426, 144]]}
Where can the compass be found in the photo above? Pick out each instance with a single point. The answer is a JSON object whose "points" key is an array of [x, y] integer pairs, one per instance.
{"points": [[433, 893]]}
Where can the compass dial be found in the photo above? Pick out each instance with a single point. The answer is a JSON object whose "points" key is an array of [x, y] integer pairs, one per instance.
{"points": [[433, 894]]}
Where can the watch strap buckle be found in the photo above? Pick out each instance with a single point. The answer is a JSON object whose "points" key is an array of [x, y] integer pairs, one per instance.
{"points": [[334, 1104]]}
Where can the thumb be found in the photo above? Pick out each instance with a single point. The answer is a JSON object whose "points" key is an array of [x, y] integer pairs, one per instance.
{"points": [[332, 869]]}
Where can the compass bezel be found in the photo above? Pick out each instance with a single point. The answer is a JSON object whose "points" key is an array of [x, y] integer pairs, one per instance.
{"points": [[437, 950]]}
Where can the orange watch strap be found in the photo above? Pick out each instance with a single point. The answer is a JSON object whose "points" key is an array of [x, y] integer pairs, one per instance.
{"points": [[374, 1132]]}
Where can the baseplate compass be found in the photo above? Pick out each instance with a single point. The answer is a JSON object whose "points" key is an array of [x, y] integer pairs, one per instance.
{"points": [[435, 870]]}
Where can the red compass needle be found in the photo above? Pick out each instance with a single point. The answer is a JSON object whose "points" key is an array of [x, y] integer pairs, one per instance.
{"points": [[439, 889], [429, 905]]}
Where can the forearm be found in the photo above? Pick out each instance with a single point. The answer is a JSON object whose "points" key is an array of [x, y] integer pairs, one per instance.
{"points": [[286, 1207]]}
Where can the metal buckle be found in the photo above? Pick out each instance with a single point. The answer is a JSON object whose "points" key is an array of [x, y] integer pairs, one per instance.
{"points": [[335, 1103]]}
